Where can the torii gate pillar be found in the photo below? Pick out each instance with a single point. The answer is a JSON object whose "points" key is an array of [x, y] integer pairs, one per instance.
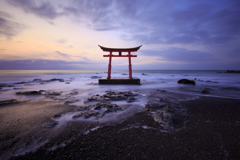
{"points": [[119, 80]]}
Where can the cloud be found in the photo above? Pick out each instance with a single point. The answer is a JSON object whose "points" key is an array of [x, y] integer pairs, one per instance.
{"points": [[8, 27], [61, 41], [195, 23], [148, 22], [40, 64], [97, 15], [180, 55], [62, 54], [161, 22], [39, 8]]}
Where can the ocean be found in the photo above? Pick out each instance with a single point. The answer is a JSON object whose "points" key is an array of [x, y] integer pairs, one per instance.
{"points": [[226, 85]]}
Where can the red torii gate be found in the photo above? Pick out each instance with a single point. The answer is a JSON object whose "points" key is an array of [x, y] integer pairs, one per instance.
{"points": [[120, 50]]}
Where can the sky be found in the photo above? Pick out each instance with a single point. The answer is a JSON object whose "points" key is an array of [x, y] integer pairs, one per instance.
{"points": [[174, 34]]}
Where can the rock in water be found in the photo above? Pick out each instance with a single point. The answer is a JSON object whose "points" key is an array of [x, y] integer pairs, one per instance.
{"points": [[30, 93], [95, 77], [130, 99], [10, 101], [186, 81], [205, 90]]}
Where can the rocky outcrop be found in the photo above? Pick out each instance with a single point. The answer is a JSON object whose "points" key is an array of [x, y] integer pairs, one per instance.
{"points": [[164, 114], [57, 79], [186, 81], [232, 71], [229, 71], [95, 77], [71, 101], [86, 114], [97, 111], [231, 88], [30, 93], [114, 96], [6, 85], [49, 124], [10, 101], [49, 93], [205, 91]]}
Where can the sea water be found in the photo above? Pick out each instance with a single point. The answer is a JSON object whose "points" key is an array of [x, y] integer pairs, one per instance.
{"points": [[226, 85]]}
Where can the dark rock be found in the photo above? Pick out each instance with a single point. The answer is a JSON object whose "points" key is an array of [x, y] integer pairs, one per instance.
{"points": [[49, 124], [86, 114], [95, 77], [30, 93], [231, 88], [164, 119], [215, 82], [208, 81], [186, 81], [205, 90], [67, 83], [167, 115], [92, 83], [37, 80], [71, 101], [232, 71], [10, 101], [153, 106], [53, 93], [124, 74], [6, 85], [21, 82], [114, 96], [83, 108], [17, 88], [130, 99], [163, 91], [55, 79], [144, 74], [57, 116]]}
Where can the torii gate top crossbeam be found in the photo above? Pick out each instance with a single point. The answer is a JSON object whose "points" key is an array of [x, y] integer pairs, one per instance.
{"points": [[135, 49]]}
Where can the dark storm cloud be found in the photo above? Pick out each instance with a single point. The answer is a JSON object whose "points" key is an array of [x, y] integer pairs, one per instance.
{"points": [[195, 23], [39, 8], [8, 27], [165, 22], [180, 55], [38, 64]]}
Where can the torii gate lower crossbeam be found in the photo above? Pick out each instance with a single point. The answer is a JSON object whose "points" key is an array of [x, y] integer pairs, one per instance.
{"points": [[120, 50]]}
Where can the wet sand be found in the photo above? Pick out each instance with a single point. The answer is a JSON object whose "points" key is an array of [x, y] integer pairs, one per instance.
{"points": [[211, 131]]}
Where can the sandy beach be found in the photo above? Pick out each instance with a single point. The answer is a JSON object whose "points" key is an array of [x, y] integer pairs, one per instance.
{"points": [[210, 131]]}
